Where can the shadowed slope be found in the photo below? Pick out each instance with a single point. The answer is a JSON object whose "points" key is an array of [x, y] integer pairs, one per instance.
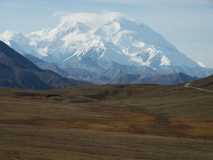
{"points": [[206, 83], [17, 71]]}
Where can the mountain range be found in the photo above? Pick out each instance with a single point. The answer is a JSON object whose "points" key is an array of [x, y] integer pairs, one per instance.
{"points": [[18, 72], [106, 48]]}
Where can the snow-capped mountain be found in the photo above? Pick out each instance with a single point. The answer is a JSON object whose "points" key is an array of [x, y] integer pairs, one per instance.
{"points": [[102, 48]]}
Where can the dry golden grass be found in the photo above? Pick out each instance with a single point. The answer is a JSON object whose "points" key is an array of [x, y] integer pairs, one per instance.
{"points": [[106, 122]]}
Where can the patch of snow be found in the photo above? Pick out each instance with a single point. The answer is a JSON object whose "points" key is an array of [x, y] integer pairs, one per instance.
{"points": [[201, 64], [165, 61], [43, 51]]}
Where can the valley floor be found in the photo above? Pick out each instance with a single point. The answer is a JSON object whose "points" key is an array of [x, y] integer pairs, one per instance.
{"points": [[107, 123]]}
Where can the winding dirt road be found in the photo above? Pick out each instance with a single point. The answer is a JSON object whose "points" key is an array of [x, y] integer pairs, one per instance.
{"points": [[188, 85]]}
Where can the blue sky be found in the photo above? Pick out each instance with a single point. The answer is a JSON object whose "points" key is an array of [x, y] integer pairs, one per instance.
{"points": [[188, 24]]}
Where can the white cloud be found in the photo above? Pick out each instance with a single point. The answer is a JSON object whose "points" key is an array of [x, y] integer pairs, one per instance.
{"points": [[6, 36], [90, 18]]}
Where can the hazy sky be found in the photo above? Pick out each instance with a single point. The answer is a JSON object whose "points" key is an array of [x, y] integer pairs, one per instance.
{"points": [[188, 24]]}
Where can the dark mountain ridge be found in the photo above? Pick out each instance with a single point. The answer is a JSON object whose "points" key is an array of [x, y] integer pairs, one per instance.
{"points": [[18, 72], [204, 83]]}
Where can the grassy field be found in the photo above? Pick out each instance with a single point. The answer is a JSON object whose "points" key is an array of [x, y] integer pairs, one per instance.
{"points": [[206, 83], [107, 123]]}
